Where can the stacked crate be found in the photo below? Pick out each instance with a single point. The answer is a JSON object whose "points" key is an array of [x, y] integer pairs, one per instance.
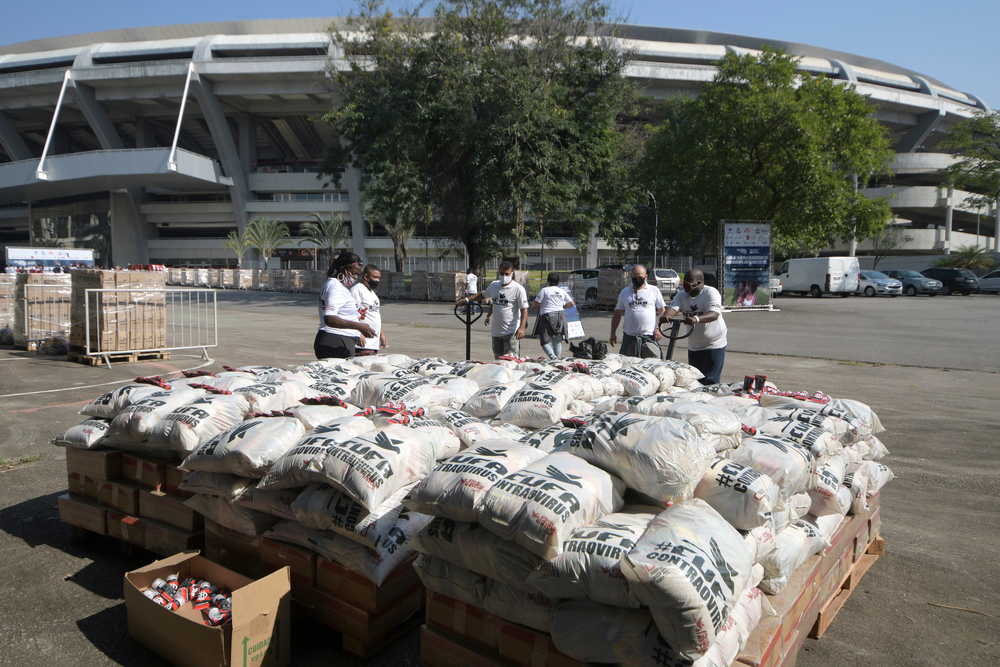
{"points": [[119, 320], [278, 280], [129, 497], [433, 286], [610, 284], [418, 286], [41, 308], [7, 283], [452, 286], [297, 280]]}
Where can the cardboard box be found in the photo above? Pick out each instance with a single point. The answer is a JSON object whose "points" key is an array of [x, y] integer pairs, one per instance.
{"points": [[97, 463], [463, 620], [532, 648], [764, 647], [804, 585], [127, 528], [238, 544], [361, 591], [301, 562], [120, 494], [83, 486], [354, 621], [258, 635], [439, 649], [173, 480], [166, 540], [83, 514], [170, 510], [145, 471]]}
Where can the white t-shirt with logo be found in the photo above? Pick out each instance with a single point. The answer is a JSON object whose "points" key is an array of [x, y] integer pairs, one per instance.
{"points": [[368, 302], [640, 308], [335, 299], [471, 282], [508, 302], [552, 299], [710, 335]]}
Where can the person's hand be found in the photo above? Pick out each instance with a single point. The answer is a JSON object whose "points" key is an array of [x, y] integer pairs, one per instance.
{"points": [[520, 333], [383, 342], [689, 321], [613, 340], [487, 320], [365, 330], [462, 301], [657, 335]]}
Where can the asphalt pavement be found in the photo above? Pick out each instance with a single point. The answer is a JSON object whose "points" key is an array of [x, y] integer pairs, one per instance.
{"points": [[928, 366]]}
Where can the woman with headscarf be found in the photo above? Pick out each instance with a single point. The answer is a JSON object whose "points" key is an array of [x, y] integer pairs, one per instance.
{"points": [[340, 328]]}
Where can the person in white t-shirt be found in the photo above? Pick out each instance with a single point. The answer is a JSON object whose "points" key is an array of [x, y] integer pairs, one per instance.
{"points": [[551, 303], [369, 310], [340, 329], [641, 305], [509, 311], [701, 306], [471, 283]]}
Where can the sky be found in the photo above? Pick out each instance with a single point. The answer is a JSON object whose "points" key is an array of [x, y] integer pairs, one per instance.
{"points": [[954, 42]]}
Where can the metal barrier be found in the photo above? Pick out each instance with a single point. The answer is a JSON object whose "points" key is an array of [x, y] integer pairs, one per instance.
{"points": [[7, 303], [142, 321], [45, 314]]}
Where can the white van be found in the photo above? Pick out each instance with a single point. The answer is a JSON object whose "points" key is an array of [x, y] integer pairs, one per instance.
{"points": [[820, 275]]}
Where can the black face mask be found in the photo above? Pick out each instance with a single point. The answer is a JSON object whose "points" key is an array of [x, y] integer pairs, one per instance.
{"points": [[373, 285], [638, 282]]}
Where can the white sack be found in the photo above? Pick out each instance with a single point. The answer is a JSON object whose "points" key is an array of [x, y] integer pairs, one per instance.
{"points": [[85, 435], [322, 507], [276, 502], [637, 382], [788, 464], [224, 513], [549, 439], [743, 496], [216, 484], [108, 405], [265, 397], [191, 425], [135, 422], [489, 401], [248, 449], [793, 546], [535, 406]]}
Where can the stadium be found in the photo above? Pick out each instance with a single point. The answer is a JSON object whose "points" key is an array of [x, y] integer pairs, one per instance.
{"points": [[100, 146]]}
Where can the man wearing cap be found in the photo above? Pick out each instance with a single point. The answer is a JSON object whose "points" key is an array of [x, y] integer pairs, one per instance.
{"points": [[701, 306]]}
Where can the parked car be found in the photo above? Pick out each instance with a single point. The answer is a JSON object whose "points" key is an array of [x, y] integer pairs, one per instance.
{"points": [[915, 283], [588, 281], [667, 281], [876, 282], [954, 281], [990, 283], [776, 286]]}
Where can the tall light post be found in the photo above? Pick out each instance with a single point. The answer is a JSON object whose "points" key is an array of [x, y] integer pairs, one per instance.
{"points": [[656, 226]]}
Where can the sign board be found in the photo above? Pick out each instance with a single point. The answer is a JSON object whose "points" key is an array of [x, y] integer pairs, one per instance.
{"points": [[746, 265], [49, 258], [294, 253]]}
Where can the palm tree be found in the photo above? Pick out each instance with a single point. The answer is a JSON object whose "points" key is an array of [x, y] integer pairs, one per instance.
{"points": [[239, 243], [326, 235], [266, 236], [966, 257]]}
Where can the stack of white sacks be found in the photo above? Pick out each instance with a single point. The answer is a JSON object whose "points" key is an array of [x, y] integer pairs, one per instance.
{"points": [[616, 504]]}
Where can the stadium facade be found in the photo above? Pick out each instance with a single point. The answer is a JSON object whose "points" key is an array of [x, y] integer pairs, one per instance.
{"points": [[102, 172]]}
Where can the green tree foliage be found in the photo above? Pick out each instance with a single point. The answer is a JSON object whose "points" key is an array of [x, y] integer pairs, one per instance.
{"points": [[326, 234], [763, 141], [266, 236], [885, 241], [239, 243], [493, 112], [967, 257], [396, 200], [977, 143]]}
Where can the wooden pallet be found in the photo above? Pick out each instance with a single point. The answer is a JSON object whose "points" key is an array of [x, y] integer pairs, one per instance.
{"points": [[117, 357], [850, 582], [360, 649]]}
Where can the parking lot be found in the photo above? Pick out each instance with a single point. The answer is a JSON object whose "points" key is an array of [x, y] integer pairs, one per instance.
{"points": [[929, 366]]}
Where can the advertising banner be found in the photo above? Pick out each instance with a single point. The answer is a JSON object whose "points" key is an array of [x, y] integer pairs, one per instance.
{"points": [[49, 258], [746, 265]]}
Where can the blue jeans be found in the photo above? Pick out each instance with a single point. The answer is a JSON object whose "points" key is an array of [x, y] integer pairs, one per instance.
{"points": [[709, 362], [553, 349]]}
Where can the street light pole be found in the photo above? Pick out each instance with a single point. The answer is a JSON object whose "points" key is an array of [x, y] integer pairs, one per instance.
{"points": [[656, 226]]}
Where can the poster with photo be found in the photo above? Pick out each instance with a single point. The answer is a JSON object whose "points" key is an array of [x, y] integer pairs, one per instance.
{"points": [[746, 266]]}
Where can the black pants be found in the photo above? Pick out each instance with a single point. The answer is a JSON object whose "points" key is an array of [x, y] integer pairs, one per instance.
{"points": [[332, 346], [709, 362]]}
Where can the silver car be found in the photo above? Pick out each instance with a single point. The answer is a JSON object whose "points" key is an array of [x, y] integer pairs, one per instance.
{"points": [[874, 283], [667, 281]]}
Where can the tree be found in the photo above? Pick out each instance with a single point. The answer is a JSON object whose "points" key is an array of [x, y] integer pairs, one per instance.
{"points": [[977, 142], [967, 257], [885, 241], [764, 141], [325, 234], [266, 236], [493, 112], [239, 243]]}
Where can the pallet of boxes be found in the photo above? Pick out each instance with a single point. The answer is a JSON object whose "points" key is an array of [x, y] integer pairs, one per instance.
{"points": [[41, 312], [7, 284], [126, 321], [610, 283], [541, 513]]}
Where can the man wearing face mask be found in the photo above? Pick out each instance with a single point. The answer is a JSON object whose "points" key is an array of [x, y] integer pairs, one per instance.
{"points": [[509, 311], [642, 306], [340, 328], [369, 310], [701, 306]]}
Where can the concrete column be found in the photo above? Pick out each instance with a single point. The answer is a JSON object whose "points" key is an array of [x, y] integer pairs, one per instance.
{"points": [[12, 142], [248, 142], [145, 137], [948, 213], [352, 182]]}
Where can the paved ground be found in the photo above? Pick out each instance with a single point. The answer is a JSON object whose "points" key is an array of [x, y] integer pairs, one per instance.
{"points": [[61, 600]]}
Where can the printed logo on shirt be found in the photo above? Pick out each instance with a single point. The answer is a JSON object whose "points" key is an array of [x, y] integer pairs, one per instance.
{"points": [[503, 299], [638, 301]]}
